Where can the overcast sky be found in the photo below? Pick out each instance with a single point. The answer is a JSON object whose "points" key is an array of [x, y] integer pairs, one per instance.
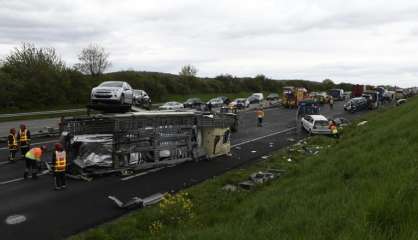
{"points": [[357, 41]]}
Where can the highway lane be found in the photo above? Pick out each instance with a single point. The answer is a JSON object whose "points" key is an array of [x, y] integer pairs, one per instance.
{"points": [[85, 204]]}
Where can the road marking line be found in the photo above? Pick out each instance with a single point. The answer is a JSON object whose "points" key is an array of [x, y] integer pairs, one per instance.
{"points": [[5, 148], [142, 173], [266, 136], [20, 179]]}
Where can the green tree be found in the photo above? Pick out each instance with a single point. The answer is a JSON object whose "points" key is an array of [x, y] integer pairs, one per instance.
{"points": [[188, 71], [94, 60]]}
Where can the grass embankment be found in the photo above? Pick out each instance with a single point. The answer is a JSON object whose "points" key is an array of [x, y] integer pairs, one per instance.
{"points": [[363, 187]]}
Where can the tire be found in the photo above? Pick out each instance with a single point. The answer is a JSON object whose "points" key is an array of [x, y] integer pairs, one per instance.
{"points": [[122, 99]]}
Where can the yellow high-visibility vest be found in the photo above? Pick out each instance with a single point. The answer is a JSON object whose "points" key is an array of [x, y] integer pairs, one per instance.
{"points": [[23, 135], [60, 161], [13, 145], [34, 154]]}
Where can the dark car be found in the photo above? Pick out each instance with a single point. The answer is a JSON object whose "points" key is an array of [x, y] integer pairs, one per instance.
{"points": [[356, 104], [272, 97], [142, 99], [193, 103], [253, 99]]}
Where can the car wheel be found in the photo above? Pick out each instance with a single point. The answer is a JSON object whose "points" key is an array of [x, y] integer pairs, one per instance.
{"points": [[122, 99]]}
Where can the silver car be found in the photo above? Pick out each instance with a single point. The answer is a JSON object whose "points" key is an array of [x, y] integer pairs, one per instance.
{"points": [[171, 106], [112, 92]]}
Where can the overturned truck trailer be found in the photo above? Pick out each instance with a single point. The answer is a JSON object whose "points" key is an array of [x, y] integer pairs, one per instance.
{"points": [[134, 141]]}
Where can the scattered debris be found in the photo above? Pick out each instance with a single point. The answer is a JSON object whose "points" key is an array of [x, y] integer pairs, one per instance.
{"points": [[247, 185], [261, 177], [291, 140], [238, 148], [138, 202], [230, 188], [265, 157], [253, 151], [289, 159], [362, 123], [15, 219]]}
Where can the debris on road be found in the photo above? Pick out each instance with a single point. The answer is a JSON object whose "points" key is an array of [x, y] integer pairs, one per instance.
{"points": [[138, 202], [265, 157], [230, 188], [15, 219], [291, 140], [362, 123], [253, 151]]}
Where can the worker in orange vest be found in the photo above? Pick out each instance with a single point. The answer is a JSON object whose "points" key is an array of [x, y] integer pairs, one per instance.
{"points": [[23, 138], [32, 161], [59, 165], [12, 144], [333, 128], [260, 115]]}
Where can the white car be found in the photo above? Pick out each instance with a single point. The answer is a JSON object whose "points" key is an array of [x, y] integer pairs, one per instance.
{"points": [[240, 103], [315, 124], [171, 106], [215, 102], [112, 92]]}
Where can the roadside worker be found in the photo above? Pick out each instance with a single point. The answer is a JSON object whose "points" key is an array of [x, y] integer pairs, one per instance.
{"points": [[334, 130], [24, 139], [260, 115], [59, 163], [12, 144], [331, 102], [32, 161]]}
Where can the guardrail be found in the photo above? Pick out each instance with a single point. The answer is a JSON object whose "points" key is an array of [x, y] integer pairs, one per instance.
{"points": [[10, 115]]}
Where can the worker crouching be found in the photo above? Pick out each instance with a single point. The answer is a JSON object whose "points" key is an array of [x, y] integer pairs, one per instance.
{"points": [[32, 161], [59, 163]]}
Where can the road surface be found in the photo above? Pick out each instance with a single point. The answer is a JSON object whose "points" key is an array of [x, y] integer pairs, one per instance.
{"points": [[55, 215]]}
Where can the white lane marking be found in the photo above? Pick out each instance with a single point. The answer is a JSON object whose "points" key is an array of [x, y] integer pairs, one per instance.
{"points": [[37, 143], [142, 173], [266, 136], [21, 179], [3, 163]]}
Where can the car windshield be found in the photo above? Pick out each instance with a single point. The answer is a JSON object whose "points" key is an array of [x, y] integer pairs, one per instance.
{"points": [[321, 123], [111, 84]]}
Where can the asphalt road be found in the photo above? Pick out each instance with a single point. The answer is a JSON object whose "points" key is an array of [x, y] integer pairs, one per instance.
{"points": [[54, 215]]}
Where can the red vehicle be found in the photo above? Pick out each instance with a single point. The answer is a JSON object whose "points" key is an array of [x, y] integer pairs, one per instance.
{"points": [[357, 90]]}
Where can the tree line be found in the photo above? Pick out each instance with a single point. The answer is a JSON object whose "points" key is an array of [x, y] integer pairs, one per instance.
{"points": [[32, 77]]}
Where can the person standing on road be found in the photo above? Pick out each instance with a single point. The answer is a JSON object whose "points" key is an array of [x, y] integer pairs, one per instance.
{"points": [[24, 139], [331, 102], [260, 115], [32, 160], [59, 163], [12, 144]]}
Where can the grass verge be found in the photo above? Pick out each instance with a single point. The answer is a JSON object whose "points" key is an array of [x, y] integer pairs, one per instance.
{"points": [[362, 187]]}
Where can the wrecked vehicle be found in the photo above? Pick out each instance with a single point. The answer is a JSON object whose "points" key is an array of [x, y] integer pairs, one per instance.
{"points": [[124, 143]]}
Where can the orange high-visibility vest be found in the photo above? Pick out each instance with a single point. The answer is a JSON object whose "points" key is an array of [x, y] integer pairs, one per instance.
{"points": [[34, 154], [60, 161]]}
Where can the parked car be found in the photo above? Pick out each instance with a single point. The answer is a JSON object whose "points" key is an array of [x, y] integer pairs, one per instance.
{"points": [[216, 102], [141, 98], [112, 92], [273, 97], [226, 100], [171, 106], [255, 98], [356, 104], [240, 103], [315, 124], [193, 103]]}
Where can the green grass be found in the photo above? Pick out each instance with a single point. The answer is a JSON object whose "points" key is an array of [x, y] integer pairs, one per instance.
{"points": [[42, 116], [363, 187]]}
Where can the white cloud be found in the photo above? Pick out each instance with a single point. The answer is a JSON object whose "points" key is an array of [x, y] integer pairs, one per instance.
{"points": [[356, 41]]}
